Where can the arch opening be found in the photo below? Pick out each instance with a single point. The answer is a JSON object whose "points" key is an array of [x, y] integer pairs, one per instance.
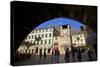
{"points": [[63, 31]]}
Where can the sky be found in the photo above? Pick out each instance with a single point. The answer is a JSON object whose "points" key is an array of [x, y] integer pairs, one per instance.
{"points": [[60, 21]]}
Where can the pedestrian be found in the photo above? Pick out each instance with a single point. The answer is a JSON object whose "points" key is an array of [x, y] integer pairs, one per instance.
{"points": [[67, 55], [40, 53], [73, 52], [53, 59], [57, 54], [44, 53], [89, 54], [79, 54], [52, 52]]}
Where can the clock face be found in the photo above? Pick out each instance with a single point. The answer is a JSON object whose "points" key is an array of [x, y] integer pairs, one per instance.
{"points": [[65, 32]]}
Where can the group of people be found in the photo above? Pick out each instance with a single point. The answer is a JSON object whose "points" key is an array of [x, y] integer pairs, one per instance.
{"points": [[76, 53], [79, 52], [44, 53]]}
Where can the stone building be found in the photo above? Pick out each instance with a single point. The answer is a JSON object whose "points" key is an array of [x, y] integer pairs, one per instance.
{"points": [[79, 39], [55, 38]]}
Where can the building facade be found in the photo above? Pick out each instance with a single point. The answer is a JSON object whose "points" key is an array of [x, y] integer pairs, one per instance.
{"points": [[79, 39], [41, 39], [63, 40], [54, 38]]}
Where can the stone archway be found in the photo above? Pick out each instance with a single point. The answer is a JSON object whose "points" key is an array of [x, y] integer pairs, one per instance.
{"points": [[29, 15]]}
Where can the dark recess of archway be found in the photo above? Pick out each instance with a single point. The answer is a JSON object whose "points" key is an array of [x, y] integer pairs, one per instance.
{"points": [[25, 16]]}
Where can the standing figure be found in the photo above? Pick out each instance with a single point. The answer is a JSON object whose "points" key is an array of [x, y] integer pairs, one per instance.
{"points": [[52, 53], [79, 55], [44, 53], [73, 52], [89, 54], [67, 55], [57, 54], [40, 53]]}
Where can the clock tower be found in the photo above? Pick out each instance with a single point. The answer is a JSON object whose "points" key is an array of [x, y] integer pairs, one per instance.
{"points": [[65, 32]]}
